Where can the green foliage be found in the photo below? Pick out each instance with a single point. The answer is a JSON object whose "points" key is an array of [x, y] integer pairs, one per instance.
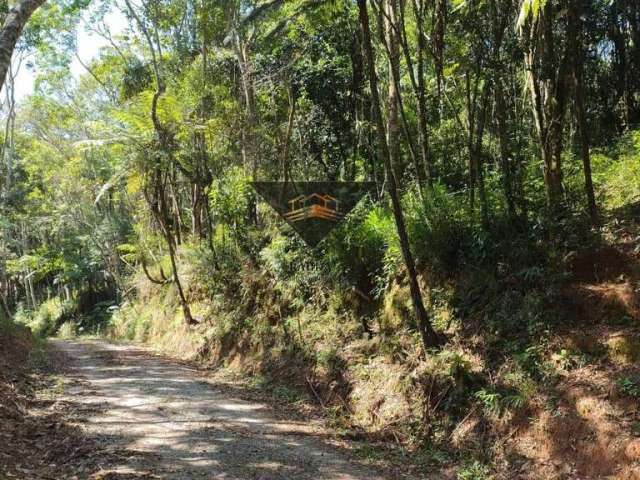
{"points": [[441, 229], [489, 400], [528, 9], [453, 364], [46, 320], [102, 184], [365, 245], [497, 402], [229, 198], [474, 471], [136, 78], [629, 386], [617, 171], [67, 330]]}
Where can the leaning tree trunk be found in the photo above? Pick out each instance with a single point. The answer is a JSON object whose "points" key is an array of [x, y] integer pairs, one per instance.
{"points": [[12, 29], [428, 334]]}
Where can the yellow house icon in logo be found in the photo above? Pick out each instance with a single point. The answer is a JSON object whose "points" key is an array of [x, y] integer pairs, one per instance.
{"points": [[322, 206]]}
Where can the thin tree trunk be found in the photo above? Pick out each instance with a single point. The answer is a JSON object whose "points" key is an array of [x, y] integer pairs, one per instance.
{"points": [[32, 293], [477, 152], [574, 37], [162, 216], [546, 81], [429, 336], [396, 104], [250, 146], [393, 124], [8, 147], [422, 97], [471, 118], [287, 136], [158, 202], [503, 138], [439, 25], [423, 170]]}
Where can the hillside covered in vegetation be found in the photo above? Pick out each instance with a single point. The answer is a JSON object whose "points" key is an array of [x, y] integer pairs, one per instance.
{"points": [[475, 316]]}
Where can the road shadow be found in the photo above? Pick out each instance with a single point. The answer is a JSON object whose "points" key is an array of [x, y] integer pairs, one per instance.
{"points": [[163, 419]]}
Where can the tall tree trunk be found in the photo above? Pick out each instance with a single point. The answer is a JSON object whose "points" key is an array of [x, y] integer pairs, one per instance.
{"points": [[619, 36], [357, 83], [175, 209], [12, 28], [8, 146], [163, 215], [416, 76], [634, 55], [32, 294], [505, 147], [439, 25], [250, 142], [477, 153], [546, 78], [476, 104], [393, 99], [158, 198], [575, 38], [471, 119], [428, 334], [500, 15], [422, 95], [197, 209], [286, 168]]}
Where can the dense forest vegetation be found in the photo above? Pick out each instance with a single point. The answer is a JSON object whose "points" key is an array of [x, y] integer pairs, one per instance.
{"points": [[447, 317]]}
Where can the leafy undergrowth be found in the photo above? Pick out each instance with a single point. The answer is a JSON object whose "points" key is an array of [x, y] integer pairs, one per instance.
{"points": [[539, 378]]}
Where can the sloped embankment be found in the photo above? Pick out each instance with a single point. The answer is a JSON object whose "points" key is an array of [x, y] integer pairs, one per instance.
{"points": [[15, 344], [545, 371], [588, 423]]}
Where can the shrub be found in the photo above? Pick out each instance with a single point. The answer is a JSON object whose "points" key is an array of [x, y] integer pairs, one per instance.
{"points": [[44, 321], [629, 386], [616, 171], [67, 330], [439, 227], [474, 471]]}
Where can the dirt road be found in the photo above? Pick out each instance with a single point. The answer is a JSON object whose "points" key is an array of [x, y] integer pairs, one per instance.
{"points": [[174, 424]]}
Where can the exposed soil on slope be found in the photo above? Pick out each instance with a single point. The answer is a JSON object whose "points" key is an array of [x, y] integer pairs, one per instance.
{"points": [[584, 426], [14, 351]]}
